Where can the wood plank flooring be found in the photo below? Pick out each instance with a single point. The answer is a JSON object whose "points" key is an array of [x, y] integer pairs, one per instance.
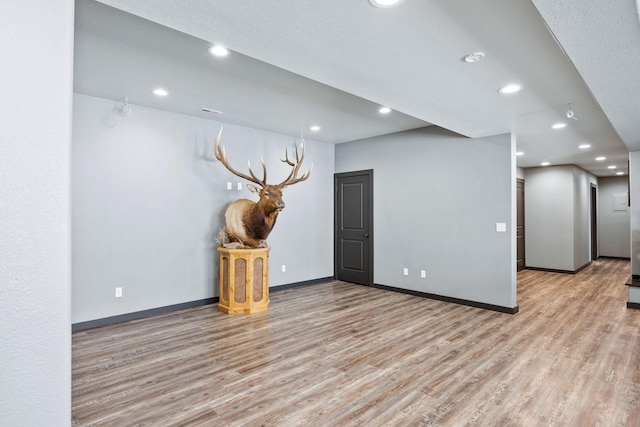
{"points": [[338, 354]]}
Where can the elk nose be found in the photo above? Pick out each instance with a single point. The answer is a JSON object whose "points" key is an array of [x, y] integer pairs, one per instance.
{"points": [[280, 205]]}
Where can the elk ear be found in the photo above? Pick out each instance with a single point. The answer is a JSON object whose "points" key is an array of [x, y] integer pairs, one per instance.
{"points": [[253, 188]]}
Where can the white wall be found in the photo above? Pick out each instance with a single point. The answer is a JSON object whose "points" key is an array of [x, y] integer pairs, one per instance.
{"points": [[36, 38], [432, 214], [549, 217], [149, 200], [614, 220], [558, 217]]}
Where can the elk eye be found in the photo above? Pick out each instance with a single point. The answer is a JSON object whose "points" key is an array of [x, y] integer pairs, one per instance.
{"points": [[266, 193]]}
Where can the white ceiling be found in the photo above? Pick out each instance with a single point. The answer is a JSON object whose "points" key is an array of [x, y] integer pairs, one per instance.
{"points": [[334, 62], [118, 55]]}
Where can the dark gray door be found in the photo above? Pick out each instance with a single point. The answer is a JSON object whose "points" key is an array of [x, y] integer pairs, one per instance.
{"points": [[520, 261], [354, 227], [594, 222]]}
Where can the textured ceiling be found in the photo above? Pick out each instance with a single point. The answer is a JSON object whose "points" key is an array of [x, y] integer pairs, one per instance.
{"points": [[602, 38], [410, 59]]}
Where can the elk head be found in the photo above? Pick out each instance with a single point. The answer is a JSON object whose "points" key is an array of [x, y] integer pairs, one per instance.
{"points": [[249, 223]]}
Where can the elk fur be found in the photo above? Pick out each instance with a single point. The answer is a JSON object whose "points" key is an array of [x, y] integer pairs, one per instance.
{"points": [[250, 223]]}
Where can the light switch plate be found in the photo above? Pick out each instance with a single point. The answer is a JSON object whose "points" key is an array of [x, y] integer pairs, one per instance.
{"points": [[501, 227]]}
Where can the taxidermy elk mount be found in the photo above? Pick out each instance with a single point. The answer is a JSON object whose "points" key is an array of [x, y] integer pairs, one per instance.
{"points": [[249, 223]]}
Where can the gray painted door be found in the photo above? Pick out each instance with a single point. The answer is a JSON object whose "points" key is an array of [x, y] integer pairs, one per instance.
{"points": [[354, 227], [594, 223], [520, 261]]}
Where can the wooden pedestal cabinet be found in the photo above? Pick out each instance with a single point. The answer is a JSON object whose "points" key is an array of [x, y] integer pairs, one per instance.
{"points": [[244, 280]]}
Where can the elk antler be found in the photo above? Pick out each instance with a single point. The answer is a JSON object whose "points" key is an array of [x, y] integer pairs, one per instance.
{"points": [[293, 178], [221, 155]]}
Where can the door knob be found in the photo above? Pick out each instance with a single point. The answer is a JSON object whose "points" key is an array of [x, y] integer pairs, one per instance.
{"points": [[366, 235]]}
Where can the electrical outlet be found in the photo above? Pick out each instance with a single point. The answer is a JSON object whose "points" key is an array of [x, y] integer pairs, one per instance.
{"points": [[229, 185], [284, 268], [423, 274], [405, 271], [239, 186], [118, 292]]}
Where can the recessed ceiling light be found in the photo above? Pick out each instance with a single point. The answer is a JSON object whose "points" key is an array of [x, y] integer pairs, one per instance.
{"points": [[384, 110], [611, 167], [385, 3], [513, 88], [545, 164], [559, 126], [218, 50], [315, 128], [601, 158], [474, 57], [584, 146], [620, 173], [519, 153], [160, 92]]}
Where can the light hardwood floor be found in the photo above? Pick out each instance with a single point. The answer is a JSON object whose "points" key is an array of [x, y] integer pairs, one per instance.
{"points": [[338, 354]]}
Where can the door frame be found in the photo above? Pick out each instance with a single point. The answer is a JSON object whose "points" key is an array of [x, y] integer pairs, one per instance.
{"points": [[594, 221], [369, 174], [520, 212]]}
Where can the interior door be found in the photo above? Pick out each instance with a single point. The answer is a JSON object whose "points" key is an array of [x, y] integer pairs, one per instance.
{"points": [[353, 227], [520, 261], [594, 223]]}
